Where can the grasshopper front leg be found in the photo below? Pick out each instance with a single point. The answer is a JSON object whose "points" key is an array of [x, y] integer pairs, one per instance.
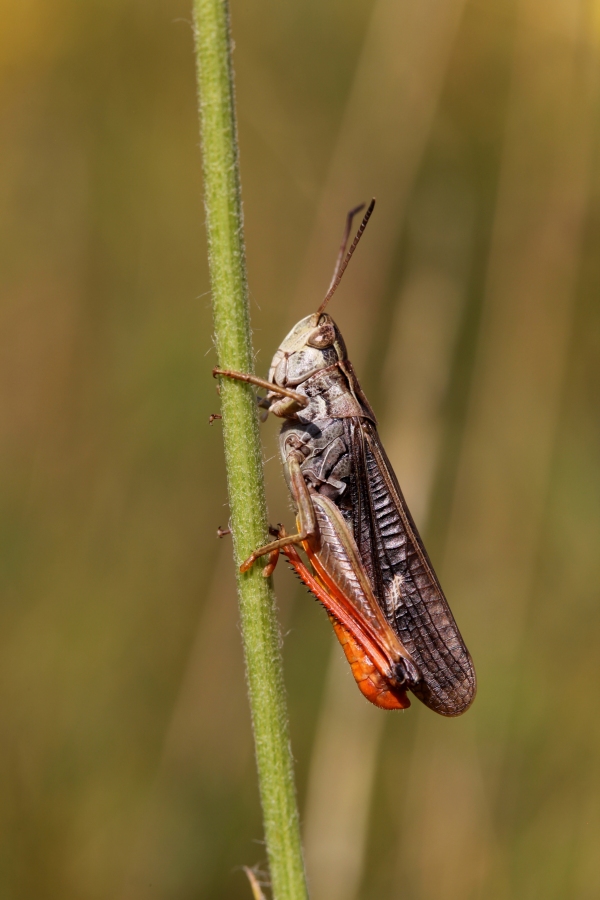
{"points": [[307, 521], [287, 407]]}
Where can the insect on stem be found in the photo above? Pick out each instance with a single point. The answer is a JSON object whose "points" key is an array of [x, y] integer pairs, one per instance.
{"points": [[362, 556]]}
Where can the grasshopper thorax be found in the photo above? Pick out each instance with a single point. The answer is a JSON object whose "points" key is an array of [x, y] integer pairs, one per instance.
{"points": [[314, 343]]}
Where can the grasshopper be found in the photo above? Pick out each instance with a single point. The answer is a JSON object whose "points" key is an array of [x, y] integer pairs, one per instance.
{"points": [[366, 562]]}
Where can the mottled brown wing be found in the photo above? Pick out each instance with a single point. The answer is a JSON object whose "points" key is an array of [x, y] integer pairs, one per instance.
{"points": [[403, 579]]}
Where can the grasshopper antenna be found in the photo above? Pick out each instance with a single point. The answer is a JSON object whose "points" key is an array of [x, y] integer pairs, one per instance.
{"points": [[344, 244], [342, 262]]}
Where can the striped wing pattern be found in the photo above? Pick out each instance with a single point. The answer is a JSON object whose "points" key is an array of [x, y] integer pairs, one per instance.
{"points": [[403, 579]]}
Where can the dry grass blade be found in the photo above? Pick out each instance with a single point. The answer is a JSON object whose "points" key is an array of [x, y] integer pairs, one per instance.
{"points": [[254, 884]]}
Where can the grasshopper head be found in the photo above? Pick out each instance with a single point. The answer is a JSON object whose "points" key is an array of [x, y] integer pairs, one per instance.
{"points": [[313, 343]]}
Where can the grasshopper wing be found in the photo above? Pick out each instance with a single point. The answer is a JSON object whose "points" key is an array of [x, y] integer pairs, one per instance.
{"points": [[403, 578]]}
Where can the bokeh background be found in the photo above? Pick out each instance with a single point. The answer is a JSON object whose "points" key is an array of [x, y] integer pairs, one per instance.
{"points": [[471, 313]]}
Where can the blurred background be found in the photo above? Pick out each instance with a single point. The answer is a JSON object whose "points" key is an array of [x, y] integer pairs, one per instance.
{"points": [[471, 314]]}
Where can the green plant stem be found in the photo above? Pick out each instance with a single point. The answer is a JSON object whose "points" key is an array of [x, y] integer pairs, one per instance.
{"points": [[242, 447]]}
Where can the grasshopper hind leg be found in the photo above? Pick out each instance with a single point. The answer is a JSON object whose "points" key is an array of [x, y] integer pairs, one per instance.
{"points": [[308, 530], [272, 551], [407, 673]]}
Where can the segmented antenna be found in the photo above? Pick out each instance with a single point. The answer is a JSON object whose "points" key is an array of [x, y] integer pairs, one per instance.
{"points": [[344, 244], [340, 267]]}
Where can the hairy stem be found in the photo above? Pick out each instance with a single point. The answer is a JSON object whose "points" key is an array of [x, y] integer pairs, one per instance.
{"points": [[242, 447]]}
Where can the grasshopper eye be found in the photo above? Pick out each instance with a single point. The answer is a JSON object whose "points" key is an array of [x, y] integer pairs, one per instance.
{"points": [[321, 337]]}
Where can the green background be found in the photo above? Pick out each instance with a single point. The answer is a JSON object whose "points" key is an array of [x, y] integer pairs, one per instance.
{"points": [[471, 314]]}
